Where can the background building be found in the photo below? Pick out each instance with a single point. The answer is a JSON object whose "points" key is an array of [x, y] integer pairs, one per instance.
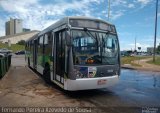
{"points": [[150, 50], [13, 26], [25, 30], [13, 39]]}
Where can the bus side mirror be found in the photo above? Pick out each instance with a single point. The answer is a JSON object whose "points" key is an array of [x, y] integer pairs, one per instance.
{"points": [[68, 39]]}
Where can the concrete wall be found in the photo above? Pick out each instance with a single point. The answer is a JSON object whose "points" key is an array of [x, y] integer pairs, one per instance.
{"points": [[16, 38]]}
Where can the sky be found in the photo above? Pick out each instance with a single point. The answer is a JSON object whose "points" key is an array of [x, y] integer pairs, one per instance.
{"points": [[132, 18]]}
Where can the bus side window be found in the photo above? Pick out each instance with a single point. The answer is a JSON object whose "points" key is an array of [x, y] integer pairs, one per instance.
{"points": [[48, 47], [40, 45], [40, 50]]}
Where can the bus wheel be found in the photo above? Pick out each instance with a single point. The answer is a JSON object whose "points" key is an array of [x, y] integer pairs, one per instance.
{"points": [[46, 73], [28, 62]]}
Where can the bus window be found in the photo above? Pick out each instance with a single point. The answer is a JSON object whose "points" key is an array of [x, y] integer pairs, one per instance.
{"points": [[88, 47], [40, 51], [48, 48]]}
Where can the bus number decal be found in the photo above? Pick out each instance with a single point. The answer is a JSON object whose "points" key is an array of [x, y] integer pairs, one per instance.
{"points": [[92, 72]]}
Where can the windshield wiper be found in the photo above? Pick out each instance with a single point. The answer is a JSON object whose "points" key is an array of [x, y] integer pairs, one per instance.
{"points": [[95, 37], [90, 34]]}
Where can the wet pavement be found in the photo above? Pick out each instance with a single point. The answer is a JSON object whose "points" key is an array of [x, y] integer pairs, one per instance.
{"points": [[135, 92]]}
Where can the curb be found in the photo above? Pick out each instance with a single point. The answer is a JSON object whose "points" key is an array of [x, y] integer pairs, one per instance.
{"points": [[132, 68], [32, 71], [140, 69]]}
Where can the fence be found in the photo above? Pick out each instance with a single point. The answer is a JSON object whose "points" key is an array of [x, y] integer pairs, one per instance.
{"points": [[5, 63]]}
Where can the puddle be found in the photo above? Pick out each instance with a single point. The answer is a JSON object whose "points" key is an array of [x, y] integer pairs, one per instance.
{"points": [[135, 93], [132, 90]]}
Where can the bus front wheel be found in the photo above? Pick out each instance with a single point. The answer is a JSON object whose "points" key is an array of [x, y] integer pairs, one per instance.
{"points": [[46, 73], [28, 62]]}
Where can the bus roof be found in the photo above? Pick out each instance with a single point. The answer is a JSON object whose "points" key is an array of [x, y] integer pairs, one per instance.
{"points": [[32, 38], [88, 18], [65, 20]]}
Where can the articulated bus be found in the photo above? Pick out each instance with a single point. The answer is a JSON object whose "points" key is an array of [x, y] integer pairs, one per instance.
{"points": [[76, 53]]}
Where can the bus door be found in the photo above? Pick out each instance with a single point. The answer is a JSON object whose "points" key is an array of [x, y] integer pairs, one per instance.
{"points": [[59, 56]]}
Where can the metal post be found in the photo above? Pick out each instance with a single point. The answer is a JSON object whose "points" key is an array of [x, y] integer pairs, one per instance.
{"points": [[135, 44], [108, 9], [155, 35]]}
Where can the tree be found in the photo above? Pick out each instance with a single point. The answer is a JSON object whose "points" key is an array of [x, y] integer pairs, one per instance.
{"points": [[21, 42], [158, 48]]}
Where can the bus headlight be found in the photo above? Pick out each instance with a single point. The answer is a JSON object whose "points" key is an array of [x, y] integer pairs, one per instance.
{"points": [[78, 74]]}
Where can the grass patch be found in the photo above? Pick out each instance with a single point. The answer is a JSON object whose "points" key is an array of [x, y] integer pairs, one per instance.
{"points": [[129, 59], [14, 47], [157, 61]]}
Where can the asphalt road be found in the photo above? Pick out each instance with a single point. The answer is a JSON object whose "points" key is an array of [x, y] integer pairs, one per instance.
{"points": [[136, 92]]}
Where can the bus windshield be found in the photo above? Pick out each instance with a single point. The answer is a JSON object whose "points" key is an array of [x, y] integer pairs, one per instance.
{"points": [[92, 48]]}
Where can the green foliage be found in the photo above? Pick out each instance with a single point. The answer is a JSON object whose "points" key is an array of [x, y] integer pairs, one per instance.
{"points": [[21, 42], [14, 47], [158, 49]]}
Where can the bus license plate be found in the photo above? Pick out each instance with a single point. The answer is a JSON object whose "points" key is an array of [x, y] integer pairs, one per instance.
{"points": [[101, 82]]}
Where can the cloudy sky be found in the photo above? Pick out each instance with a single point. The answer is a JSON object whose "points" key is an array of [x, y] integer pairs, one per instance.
{"points": [[133, 18]]}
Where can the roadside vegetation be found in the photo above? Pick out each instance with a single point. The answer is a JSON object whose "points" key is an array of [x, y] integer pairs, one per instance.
{"points": [[14, 47], [130, 59], [157, 61]]}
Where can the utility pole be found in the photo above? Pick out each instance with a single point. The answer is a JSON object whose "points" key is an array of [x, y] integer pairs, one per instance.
{"points": [[108, 9], [155, 35], [135, 44]]}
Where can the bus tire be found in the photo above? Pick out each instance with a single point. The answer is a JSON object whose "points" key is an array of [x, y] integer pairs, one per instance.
{"points": [[28, 62], [46, 73]]}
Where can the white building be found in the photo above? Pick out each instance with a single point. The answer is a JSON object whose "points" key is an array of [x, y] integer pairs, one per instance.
{"points": [[13, 26], [150, 50], [13, 39]]}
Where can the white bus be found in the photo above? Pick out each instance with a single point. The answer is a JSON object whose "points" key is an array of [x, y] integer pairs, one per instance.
{"points": [[76, 53]]}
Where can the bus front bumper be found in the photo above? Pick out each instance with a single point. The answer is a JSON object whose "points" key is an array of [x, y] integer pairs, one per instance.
{"points": [[90, 83]]}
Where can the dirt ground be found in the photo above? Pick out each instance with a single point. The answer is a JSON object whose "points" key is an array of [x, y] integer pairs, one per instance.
{"points": [[144, 65], [21, 87]]}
